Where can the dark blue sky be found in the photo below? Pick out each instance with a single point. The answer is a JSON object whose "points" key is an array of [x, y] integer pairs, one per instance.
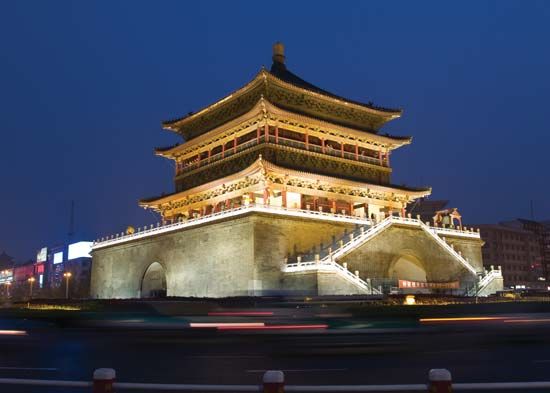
{"points": [[85, 85]]}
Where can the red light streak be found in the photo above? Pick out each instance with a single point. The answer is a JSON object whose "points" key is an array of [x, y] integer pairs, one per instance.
{"points": [[241, 313], [273, 327], [526, 320], [219, 325], [461, 319]]}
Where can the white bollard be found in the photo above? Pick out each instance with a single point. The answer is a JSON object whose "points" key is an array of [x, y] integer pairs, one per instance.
{"points": [[273, 381], [103, 380], [440, 381]]}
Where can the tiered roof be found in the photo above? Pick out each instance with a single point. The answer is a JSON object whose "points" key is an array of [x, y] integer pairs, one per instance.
{"points": [[287, 91], [263, 172]]}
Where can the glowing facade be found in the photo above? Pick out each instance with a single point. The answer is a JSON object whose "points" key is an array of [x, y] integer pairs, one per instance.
{"points": [[284, 186], [281, 141]]}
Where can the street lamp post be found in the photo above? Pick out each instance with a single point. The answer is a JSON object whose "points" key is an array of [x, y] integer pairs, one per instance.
{"points": [[67, 276], [31, 282]]}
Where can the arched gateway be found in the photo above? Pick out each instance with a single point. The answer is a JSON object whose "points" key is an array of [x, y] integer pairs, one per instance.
{"points": [[153, 283], [407, 267]]}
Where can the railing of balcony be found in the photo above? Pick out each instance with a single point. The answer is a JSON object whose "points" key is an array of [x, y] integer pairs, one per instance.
{"points": [[229, 151]]}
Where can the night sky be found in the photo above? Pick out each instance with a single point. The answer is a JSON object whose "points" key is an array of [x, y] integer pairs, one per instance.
{"points": [[84, 87]]}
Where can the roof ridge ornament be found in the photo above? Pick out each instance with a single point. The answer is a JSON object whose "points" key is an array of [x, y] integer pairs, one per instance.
{"points": [[278, 56], [262, 104]]}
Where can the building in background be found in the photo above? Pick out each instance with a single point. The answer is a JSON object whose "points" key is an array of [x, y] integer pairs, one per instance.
{"points": [[426, 208], [518, 253], [6, 274], [71, 258], [541, 231], [48, 272]]}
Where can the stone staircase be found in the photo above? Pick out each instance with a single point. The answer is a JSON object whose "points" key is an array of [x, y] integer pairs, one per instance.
{"points": [[485, 283], [329, 259], [333, 267]]}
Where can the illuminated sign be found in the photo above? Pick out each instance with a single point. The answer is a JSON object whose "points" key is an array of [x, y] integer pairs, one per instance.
{"points": [[42, 254], [430, 285], [58, 257], [80, 250], [6, 275]]}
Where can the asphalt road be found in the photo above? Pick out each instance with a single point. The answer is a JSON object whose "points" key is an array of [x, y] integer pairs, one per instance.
{"points": [[474, 351]]}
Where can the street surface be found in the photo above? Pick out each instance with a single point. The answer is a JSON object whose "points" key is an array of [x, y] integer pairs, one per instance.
{"points": [[330, 350]]}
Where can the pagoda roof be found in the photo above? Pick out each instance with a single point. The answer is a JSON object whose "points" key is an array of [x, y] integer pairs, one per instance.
{"points": [[263, 168], [263, 106], [288, 91]]}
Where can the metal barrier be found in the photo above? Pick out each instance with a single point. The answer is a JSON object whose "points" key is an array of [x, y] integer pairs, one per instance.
{"points": [[273, 381]]}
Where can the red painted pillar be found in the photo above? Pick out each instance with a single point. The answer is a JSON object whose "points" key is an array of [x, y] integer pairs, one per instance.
{"points": [[380, 157], [307, 141], [266, 196], [388, 158], [334, 206], [228, 204], [283, 197], [199, 160], [223, 150], [351, 211], [322, 145], [251, 196], [342, 149], [234, 144], [403, 212], [266, 132], [356, 151]]}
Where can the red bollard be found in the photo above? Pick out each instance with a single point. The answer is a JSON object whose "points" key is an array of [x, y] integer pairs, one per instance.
{"points": [[440, 381], [274, 381], [103, 380]]}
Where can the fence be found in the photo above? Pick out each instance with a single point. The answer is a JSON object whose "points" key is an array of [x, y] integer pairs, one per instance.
{"points": [[273, 381]]}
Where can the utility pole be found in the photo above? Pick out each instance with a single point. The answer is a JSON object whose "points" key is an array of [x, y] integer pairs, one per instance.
{"points": [[71, 222], [31, 282], [67, 276]]}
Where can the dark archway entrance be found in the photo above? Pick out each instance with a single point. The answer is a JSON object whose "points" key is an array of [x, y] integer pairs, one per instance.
{"points": [[153, 283]]}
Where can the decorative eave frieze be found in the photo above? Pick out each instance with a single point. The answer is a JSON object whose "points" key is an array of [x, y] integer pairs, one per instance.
{"points": [[263, 77], [266, 113], [263, 174]]}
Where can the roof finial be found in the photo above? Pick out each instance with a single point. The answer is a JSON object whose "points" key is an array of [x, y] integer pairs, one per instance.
{"points": [[279, 53]]}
